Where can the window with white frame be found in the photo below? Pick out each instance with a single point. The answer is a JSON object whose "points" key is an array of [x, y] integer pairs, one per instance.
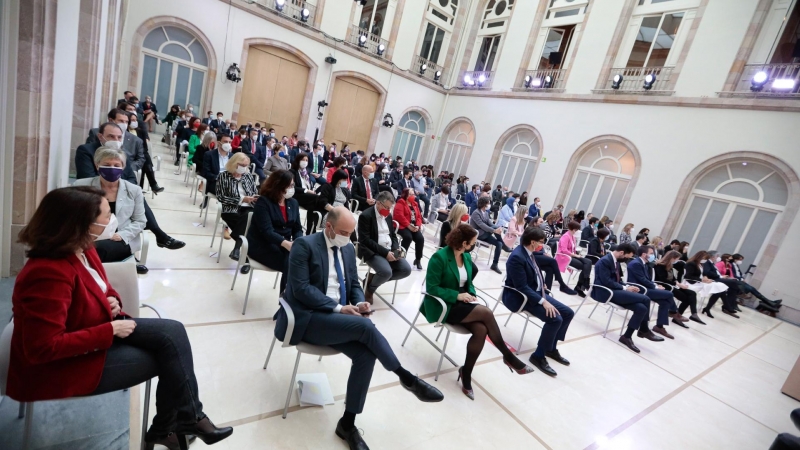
{"points": [[601, 179], [439, 22], [518, 158], [459, 144], [174, 67], [733, 209], [779, 35], [494, 24], [409, 136], [654, 40]]}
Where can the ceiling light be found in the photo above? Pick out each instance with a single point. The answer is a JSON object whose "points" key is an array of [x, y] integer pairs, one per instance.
{"points": [[783, 83], [528, 80], [422, 68], [481, 79], [381, 49], [537, 82], [548, 82], [437, 75]]}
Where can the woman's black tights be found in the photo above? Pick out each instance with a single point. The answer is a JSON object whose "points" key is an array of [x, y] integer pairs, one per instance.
{"points": [[481, 323]]}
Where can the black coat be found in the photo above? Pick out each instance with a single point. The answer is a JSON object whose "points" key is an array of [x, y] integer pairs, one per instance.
{"points": [[328, 193], [360, 191], [84, 164], [368, 234], [268, 229]]}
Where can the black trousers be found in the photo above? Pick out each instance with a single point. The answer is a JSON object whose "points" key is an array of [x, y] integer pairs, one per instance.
{"points": [[729, 296], [237, 222], [112, 251], [152, 224], [492, 239], [585, 266], [680, 267], [277, 261], [156, 348], [416, 236], [147, 171], [688, 299], [311, 203]]}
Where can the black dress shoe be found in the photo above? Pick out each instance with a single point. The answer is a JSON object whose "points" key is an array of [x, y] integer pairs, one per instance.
{"points": [[565, 289], [507, 249], [172, 244], [245, 269], [205, 430], [424, 391], [158, 189], [496, 269], [352, 437], [707, 312], [541, 364], [730, 313], [234, 254], [649, 335], [628, 342], [679, 323], [556, 356], [141, 269], [580, 293]]}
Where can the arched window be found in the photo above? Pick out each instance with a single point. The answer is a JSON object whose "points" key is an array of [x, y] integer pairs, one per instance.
{"points": [[601, 179], [409, 137], [458, 146], [518, 158], [733, 207], [174, 68]]}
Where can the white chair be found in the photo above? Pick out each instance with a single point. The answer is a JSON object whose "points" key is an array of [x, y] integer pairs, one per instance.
{"points": [[319, 219], [354, 206], [254, 265], [369, 270], [570, 270], [183, 155], [302, 347], [521, 312], [144, 250], [612, 308], [206, 196], [195, 185], [222, 230]]}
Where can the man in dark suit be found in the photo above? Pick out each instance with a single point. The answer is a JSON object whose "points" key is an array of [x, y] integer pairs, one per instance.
{"points": [[608, 273], [217, 125], [524, 283], [316, 164], [214, 163], [256, 152], [396, 176], [208, 119], [378, 245], [405, 182], [639, 272], [131, 144], [329, 309], [365, 188], [588, 232]]}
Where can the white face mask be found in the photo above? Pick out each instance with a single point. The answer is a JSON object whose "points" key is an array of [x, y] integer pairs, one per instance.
{"points": [[123, 127], [108, 230], [116, 145], [343, 184], [371, 175], [289, 193], [703, 261], [133, 125], [738, 263], [226, 147], [241, 170], [303, 164], [338, 240]]}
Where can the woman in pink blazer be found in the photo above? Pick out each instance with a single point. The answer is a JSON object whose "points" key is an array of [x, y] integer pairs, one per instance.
{"points": [[567, 255], [515, 228]]}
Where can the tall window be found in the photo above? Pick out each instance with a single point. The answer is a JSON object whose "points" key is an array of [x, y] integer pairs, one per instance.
{"points": [[601, 179], [174, 67], [459, 144], [409, 136], [494, 24], [440, 18], [733, 208], [655, 40], [373, 16], [518, 159]]}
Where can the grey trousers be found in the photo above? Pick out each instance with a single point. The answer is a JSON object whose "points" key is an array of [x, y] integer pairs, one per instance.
{"points": [[387, 271]]}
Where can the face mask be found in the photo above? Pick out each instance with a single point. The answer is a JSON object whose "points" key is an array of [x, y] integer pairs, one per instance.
{"points": [[123, 127], [738, 263], [242, 135], [385, 171], [343, 184], [272, 135], [110, 174], [282, 154], [116, 145], [410, 197], [465, 218], [303, 164], [133, 125], [226, 147], [703, 261], [241, 170], [219, 117], [718, 259], [516, 201], [610, 227], [337, 240], [108, 230], [651, 258], [191, 109], [384, 212], [470, 248], [371, 176], [289, 193]]}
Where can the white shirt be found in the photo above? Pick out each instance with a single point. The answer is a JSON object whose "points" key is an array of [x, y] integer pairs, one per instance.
{"points": [[222, 161], [384, 239], [242, 195], [94, 274], [462, 276], [333, 279]]}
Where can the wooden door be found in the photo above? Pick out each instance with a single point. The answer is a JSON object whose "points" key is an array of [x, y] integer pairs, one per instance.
{"points": [[351, 114]]}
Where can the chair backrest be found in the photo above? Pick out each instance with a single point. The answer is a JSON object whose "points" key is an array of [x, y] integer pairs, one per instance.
{"points": [[122, 276], [353, 205], [5, 355], [289, 322]]}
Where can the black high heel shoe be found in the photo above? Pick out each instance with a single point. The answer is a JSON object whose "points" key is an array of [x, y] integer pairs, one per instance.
{"points": [[707, 312], [205, 430], [468, 392]]}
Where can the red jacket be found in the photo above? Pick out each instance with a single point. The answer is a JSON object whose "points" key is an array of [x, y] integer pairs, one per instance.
{"points": [[402, 213], [62, 329]]}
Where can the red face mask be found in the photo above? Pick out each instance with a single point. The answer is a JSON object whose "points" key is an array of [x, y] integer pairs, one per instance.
{"points": [[212, 145], [411, 198], [384, 212], [465, 217]]}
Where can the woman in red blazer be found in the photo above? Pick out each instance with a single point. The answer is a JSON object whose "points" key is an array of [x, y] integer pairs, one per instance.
{"points": [[71, 337], [410, 220]]}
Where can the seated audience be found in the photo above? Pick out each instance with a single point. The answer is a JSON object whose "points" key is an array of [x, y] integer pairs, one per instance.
{"points": [[458, 215], [679, 264], [277, 160], [550, 230], [410, 220], [745, 287], [723, 265], [487, 230], [378, 245], [535, 210], [194, 141], [658, 246], [710, 270], [305, 194], [147, 168], [551, 270], [681, 291], [515, 228], [73, 339], [275, 224], [508, 210], [608, 273], [338, 163], [365, 188], [639, 272], [237, 192], [587, 221], [597, 247], [703, 285], [335, 192], [214, 163], [625, 234], [609, 225], [589, 231], [645, 232], [568, 256], [173, 115], [256, 152], [639, 241], [440, 205], [471, 199], [121, 238], [525, 279], [329, 309], [209, 142], [420, 190], [449, 278]]}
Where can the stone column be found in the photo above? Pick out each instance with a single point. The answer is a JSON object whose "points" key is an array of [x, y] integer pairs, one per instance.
{"points": [[83, 107]]}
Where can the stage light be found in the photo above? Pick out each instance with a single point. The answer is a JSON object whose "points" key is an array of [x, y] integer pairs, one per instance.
{"points": [[422, 68], [437, 75], [536, 83], [305, 14], [783, 84], [481, 79], [362, 41], [548, 82], [758, 81], [616, 81], [381, 49], [649, 80], [279, 4], [234, 73], [528, 80], [468, 81]]}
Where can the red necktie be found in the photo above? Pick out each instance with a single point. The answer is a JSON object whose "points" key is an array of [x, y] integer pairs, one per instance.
{"points": [[369, 194], [253, 147]]}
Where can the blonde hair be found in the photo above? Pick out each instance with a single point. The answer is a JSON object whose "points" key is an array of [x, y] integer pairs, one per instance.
{"points": [[104, 153], [656, 240], [520, 215], [627, 228], [235, 160], [454, 218]]}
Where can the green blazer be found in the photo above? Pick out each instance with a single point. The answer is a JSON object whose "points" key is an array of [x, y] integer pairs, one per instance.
{"points": [[442, 281]]}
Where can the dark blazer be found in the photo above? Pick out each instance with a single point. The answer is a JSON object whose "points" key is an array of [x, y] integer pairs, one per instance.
{"points": [[131, 145], [471, 201], [663, 276], [211, 170], [521, 276], [298, 182], [442, 280], [462, 189], [608, 275], [308, 282], [84, 164], [268, 228], [710, 271], [596, 248], [402, 184], [368, 234], [639, 273], [693, 272], [395, 176], [328, 192], [443, 232], [259, 157], [360, 191], [587, 234]]}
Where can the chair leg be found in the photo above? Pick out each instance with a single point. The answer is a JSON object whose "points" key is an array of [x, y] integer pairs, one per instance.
{"points": [[206, 215], [623, 322], [146, 416], [291, 385], [235, 274], [609, 321], [441, 357], [277, 275], [579, 306], [26, 434], [270, 351], [508, 319], [523, 335], [21, 414], [593, 309], [440, 333], [652, 309], [221, 240], [410, 328], [394, 291], [320, 358], [247, 295]]}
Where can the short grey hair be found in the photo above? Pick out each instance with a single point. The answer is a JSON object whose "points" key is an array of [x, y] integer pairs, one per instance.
{"points": [[104, 153], [385, 196], [208, 139]]}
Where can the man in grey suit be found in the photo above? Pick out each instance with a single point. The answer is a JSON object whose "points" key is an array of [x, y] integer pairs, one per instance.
{"points": [[131, 144], [329, 309]]}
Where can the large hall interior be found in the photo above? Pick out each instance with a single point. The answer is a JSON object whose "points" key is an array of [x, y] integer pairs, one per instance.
{"points": [[335, 224]]}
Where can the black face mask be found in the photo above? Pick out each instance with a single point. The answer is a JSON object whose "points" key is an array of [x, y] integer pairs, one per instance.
{"points": [[470, 248]]}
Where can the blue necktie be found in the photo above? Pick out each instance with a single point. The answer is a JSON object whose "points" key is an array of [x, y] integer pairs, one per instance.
{"points": [[340, 276], [538, 274]]}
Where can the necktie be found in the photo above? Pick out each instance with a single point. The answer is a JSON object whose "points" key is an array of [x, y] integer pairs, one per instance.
{"points": [[340, 276], [369, 193], [538, 274], [253, 147], [315, 165], [617, 269]]}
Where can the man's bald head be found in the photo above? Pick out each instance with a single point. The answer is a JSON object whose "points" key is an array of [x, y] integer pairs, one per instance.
{"points": [[366, 170], [341, 220]]}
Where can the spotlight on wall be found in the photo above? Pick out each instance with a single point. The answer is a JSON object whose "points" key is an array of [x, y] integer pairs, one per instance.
{"points": [[536, 83], [320, 106], [758, 81], [305, 14], [649, 80], [548, 82], [783, 84], [422, 68], [527, 81], [437, 75], [388, 122], [279, 4], [362, 41], [381, 49], [468, 81], [616, 82], [481, 80], [233, 73]]}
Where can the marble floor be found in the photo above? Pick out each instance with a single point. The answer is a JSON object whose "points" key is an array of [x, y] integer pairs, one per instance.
{"points": [[714, 386]]}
